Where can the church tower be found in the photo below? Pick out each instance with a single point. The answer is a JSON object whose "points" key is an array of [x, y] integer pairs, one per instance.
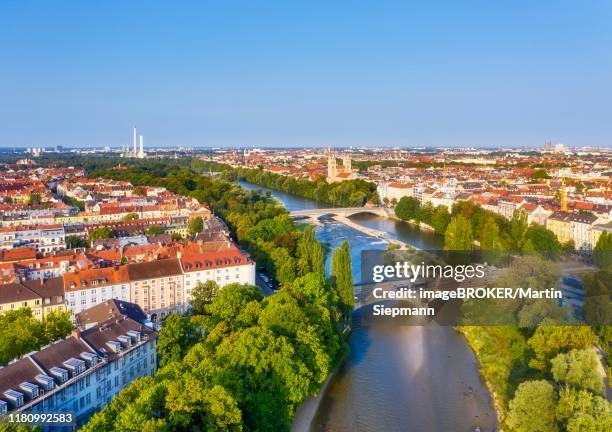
{"points": [[563, 196], [346, 164], [332, 170]]}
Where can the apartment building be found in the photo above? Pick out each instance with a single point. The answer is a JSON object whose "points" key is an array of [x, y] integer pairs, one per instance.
{"points": [[80, 374], [157, 287], [574, 226], [90, 287], [41, 296], [44, 238], [225, 264]]}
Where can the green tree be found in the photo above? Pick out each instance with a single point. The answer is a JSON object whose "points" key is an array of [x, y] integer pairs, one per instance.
{"points": [[75, 241], [20, 333], [440, 219], [342, 279], [155, 230], [458, 236], [100, 233], [602, 252], [310, 257], [490, 241], [548, 341], [533, 408], [582, 411], [175, 338], [518, 229], [195, 225], [57, 325], [598, 298], [407, 208], [578, 368], [542, 240], [203, 294]]}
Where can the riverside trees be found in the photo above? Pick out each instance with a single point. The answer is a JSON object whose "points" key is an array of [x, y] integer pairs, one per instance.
{"points": [[240, 361]]}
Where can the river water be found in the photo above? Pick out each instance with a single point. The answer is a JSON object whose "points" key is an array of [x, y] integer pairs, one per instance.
{"points": [[398, 376]]}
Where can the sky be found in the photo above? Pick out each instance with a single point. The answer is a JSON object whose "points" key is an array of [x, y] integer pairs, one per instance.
{"points": [[316, 73]]}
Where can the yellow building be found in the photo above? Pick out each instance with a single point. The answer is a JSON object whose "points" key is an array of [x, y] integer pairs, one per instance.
{"points": [[561, 225], [41, 296]]}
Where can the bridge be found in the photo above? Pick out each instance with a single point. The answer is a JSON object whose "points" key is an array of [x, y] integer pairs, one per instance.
{"points": [[341, 212]]}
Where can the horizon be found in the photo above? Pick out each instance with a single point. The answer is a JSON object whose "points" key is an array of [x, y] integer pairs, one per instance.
{"points": [[279, 75]]}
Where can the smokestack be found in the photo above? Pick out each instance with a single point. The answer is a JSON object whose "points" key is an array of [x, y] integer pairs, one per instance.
{"points": [[134, 140], [141, 146]]}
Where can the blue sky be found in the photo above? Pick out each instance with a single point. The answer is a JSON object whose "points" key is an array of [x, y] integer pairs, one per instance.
{"points": [[229, 73]]}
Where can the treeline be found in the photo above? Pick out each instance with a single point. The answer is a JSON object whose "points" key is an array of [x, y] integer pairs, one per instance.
{"points": [[350, 193], [240, 361], [21, 333], [468, 222]]}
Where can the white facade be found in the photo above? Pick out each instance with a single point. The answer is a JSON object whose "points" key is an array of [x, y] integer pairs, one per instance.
{"points": [[242, 274], [43, 238], [80, 299]]}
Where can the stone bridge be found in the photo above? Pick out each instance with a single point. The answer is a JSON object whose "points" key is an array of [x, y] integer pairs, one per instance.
{"points": [[342, 212]]}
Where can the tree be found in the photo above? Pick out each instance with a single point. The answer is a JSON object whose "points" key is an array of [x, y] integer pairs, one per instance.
{"points": [[490, 241], [310, 256], [139, 191], [195, 225], [602, 252], [598, 298], [548, 341], [407, 208], [458, 236], [203, 294], [175, 338], [75, 241], [100, 233], [518, 229], [582, 411], [533, 408], [155, 230], [20, 333], [578, 368], [130, 217], [34, 199], [342, 279], [57, 325], [542, 240], [440, 219]]}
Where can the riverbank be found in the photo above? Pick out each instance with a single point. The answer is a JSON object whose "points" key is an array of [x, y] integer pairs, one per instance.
{"points": [[307, 411], [498, 405]]}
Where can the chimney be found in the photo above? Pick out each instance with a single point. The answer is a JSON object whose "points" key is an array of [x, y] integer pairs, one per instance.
{"points": [[134, 140]]}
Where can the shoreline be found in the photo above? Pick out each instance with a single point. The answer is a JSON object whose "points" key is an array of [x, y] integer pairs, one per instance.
{"points": [[307, 411], [497, 404]]}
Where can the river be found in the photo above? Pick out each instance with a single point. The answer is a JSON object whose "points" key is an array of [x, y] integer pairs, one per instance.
{"points": [[397, 377]]}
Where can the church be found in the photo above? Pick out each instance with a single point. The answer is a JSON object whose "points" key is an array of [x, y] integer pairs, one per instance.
{"points": [[337, 174]]}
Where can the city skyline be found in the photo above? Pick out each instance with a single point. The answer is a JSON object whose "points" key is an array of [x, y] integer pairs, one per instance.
{"points": [[316, 75]]}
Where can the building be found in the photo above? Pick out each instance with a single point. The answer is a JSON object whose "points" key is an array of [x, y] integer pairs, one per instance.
{"points": [[394, 191], [157, 287], [44, 238], [577, 227], [41, 296], [507, 205], [225, 265], [80, 374], [560, 224], [335, 173], [90, 287]]}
